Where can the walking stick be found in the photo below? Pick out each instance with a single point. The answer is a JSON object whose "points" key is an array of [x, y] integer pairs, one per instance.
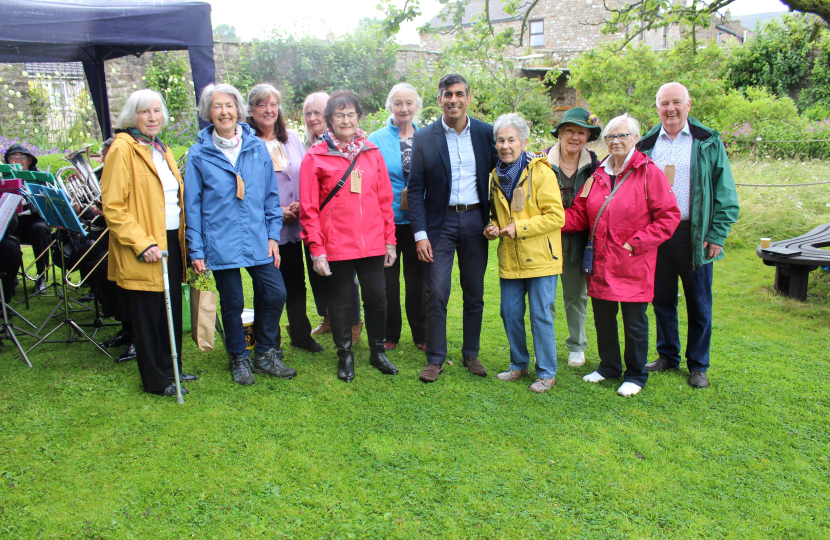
{"points": [[173, 352]]}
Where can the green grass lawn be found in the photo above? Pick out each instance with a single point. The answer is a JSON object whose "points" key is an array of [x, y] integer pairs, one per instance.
{"points": [[86, 454]]}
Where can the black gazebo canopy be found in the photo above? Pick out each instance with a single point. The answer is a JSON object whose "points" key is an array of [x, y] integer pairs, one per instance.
{"points": [[91, 31]]}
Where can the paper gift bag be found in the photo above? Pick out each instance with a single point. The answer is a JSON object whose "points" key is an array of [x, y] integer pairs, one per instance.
{"points": [[202, 318]]}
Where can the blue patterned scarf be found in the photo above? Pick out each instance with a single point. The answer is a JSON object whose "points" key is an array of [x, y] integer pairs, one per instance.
{"points": [[509, 175]]}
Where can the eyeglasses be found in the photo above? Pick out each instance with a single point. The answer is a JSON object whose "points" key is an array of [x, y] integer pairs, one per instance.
{"points": [[340, 116], [622, 137]]}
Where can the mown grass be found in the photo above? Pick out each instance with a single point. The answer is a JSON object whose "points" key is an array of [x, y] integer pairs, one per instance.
{"points": [[86, 454]]}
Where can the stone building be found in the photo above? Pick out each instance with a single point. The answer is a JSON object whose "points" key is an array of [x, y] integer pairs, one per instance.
{"points": [[559, 30]]}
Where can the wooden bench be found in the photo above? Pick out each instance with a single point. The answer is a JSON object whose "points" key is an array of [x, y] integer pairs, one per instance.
{"points": [[795, 258]]}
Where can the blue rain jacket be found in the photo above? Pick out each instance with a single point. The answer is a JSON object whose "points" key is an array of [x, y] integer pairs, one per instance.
{"points": [[388, 140], [222, 229]]}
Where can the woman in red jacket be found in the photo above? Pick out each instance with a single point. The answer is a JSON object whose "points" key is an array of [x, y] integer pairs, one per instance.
{"points": [[640, 213], [348, 225]]}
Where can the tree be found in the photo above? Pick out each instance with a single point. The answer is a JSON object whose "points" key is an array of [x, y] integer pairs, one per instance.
{"points": [[632, 17], [224, 31]]}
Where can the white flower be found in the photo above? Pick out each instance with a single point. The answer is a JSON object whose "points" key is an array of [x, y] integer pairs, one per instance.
{"points": [[172, 119], [22, 122], [11, 106], [19, 94], [24, 73], [114, 71], [89, 122], [38, 131], [143, 78], [134, 87]]}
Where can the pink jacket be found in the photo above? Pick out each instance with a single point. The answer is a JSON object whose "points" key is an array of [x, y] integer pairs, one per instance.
{"points": [[643, 213], [352, 225]]}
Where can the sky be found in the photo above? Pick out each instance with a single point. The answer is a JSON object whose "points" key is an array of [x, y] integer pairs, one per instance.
{"points": [[257, 19]]}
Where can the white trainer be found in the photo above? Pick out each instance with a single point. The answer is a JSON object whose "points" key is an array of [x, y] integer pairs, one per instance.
{"points": [[576, 359], [628, 389], [593, 377]]}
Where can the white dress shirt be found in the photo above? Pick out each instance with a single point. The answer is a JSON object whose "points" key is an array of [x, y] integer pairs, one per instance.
{"points": [[677, 152], [463, 186]]}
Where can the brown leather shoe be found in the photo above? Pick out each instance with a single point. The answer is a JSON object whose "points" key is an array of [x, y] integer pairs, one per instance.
{"points": [[474, 366], [431, 372], [661, 364], [323, 328], [698, 379]]}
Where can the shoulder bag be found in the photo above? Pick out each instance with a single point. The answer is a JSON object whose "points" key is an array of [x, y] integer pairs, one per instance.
{"points": [[588, 257]]}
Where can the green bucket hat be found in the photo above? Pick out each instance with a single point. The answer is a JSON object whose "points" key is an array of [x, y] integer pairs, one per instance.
{"points": [[580, 117]]}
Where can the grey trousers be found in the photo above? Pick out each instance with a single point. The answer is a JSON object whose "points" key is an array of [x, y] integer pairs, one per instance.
{"points": [[575, 297]]}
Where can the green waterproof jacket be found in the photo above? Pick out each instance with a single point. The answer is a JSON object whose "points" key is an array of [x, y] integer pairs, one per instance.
{"points": [[588, 163], [714, 200]]}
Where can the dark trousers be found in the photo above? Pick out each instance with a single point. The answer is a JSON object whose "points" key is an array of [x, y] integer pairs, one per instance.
{"points": [[33, 230], [269, 299], [320, 291], [369, 271], [151, 335], [293, 275], [462, 233], [413, 275], [674, 260], [10, 261], [635, 328]]}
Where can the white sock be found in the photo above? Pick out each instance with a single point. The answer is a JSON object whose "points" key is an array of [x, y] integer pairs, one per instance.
{"points": [[628, 389], [594, 377]]}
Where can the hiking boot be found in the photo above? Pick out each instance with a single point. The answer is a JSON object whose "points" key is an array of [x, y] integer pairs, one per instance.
{"points": [[661, 364], [542, 385], [271, 362], [698, 379], [241, 371], [511, 375], [474, 366]]}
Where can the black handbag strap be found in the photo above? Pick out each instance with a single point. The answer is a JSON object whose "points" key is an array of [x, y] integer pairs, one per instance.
{"points": [[608, 200], [342, 181]]}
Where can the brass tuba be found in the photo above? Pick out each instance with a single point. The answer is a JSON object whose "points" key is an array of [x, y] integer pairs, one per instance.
{"points": [[79, 181]]}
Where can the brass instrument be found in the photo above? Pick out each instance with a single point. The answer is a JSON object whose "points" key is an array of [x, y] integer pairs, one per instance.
{"points": [[79, 181]]}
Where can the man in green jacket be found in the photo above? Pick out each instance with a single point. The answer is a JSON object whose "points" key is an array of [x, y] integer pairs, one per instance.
{"points": [[694, 160]]}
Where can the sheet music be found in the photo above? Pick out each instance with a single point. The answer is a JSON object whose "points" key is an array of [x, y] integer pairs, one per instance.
{"points": [[8, 206]]}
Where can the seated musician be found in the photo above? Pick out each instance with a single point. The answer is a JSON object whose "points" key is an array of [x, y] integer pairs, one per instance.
{"points": [[10, 258], [31, 228]]}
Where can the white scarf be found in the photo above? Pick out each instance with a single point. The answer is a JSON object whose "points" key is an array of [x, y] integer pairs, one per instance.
{"points": [[229, 147]]}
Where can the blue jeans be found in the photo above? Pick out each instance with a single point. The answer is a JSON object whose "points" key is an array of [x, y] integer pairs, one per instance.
{"points": [[269, 294], [541, 294], [674, 260]]}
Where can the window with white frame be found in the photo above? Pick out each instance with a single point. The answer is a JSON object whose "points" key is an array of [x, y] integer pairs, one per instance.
{"points": [[537, 33]]}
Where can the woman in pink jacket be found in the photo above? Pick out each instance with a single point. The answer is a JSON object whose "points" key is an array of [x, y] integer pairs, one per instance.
{"points": [[640, 213], [348, 225]]}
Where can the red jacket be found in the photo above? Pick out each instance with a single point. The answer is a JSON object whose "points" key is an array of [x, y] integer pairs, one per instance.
{"points": [[643, 213], [352, 225]]}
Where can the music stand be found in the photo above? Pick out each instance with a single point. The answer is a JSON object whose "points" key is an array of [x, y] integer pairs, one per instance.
{"points": [[8, 206], [47, 179], [56, 209]]}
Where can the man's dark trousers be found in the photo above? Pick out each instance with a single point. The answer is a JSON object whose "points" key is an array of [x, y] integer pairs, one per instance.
{"points": [[462, 233], [674, 260]]}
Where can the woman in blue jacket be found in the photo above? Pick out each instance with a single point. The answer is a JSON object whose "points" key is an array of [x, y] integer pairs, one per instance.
{"points": [[233, 207], [395, 143]]}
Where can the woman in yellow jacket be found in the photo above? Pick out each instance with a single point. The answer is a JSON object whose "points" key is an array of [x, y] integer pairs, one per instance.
{"points": [[142, 203], [526, 213]]}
